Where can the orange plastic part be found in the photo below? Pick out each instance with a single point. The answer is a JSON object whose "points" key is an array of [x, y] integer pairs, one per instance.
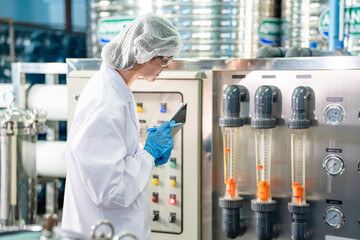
{"points": [[260, 167], [263, 190], [227, 150], [230, 187], [298, 192]]}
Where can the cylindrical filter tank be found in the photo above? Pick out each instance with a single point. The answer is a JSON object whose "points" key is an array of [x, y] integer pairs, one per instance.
{"points": [[18, 134]]}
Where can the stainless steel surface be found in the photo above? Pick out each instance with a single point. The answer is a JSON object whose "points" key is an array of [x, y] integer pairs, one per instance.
{"points": [[301, 23], [97, 9], [209, 29], [18, 134], [295, 16], [330, 86], [305, 63], [352, 39]]}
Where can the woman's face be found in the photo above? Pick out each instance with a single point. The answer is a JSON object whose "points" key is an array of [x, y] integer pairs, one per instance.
{"points": [[151, 69]]}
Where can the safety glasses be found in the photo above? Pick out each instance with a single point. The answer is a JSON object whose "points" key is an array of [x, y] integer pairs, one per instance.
{"points": [[165, 61]]}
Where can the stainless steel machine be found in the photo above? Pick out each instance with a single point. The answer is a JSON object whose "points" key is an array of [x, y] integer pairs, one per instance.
{"points": [[279, 153], [296, 150]]}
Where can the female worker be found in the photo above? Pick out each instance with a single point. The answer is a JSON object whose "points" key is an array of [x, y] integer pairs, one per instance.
{"points": [[107, 173]]}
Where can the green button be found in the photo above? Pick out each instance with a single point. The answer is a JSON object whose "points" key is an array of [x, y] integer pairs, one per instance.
{"points": [[172, 164]]}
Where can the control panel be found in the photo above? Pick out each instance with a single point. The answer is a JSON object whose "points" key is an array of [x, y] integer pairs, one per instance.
{"points": [[165, 186]]}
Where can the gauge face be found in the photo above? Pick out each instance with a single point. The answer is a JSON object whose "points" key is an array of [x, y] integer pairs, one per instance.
{"points": [[334, 165], [334, 217], [334, 114]]}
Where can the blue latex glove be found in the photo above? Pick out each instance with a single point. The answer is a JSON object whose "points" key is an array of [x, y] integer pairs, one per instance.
{"points": [[160, 141], [164, 158]]}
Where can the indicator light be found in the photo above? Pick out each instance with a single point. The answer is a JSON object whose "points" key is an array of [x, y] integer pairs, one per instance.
{"points": [[155, 180], [172, 181], [173, 162], [139, 107], [163, 108], [172, 199]]}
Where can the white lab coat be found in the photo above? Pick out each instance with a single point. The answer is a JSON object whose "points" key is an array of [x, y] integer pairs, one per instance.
{"points": [[107, 173]]}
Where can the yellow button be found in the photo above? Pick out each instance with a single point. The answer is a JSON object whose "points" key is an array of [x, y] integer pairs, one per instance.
{"points": [[155, 181], [139, 109], [172, 182]]}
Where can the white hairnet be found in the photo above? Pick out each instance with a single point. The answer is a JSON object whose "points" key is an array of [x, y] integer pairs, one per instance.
{"points": [[146, 37]]}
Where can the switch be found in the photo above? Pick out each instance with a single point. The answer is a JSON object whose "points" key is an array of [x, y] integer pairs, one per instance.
{"points": [[173, 162], [172, 199], [155, 180], [172, 217], [163, 107], [139, 107], [172, 181], [155, 197], [155, 215]]}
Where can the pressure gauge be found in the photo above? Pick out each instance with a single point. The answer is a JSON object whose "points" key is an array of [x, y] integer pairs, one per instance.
{"points": [[334, 216], [334, 114], [334, 165]]}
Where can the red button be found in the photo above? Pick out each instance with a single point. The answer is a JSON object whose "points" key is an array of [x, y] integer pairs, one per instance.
{"points": [[172, 201], [155, 198]]}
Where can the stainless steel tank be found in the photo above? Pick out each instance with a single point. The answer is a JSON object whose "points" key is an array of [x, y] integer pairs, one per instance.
{"points": [[295, 16], [209, 28], [306, 24], [98, 9], [301, 24], [352, 26], [18, 134]]}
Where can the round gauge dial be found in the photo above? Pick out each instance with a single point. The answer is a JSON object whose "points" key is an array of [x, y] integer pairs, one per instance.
{"points": [[334, 165], [334, 217], [334, 114]]}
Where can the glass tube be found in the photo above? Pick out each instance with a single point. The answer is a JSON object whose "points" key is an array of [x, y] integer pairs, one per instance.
{"points": [[231, 138], [298, 139], [263, 163]]}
